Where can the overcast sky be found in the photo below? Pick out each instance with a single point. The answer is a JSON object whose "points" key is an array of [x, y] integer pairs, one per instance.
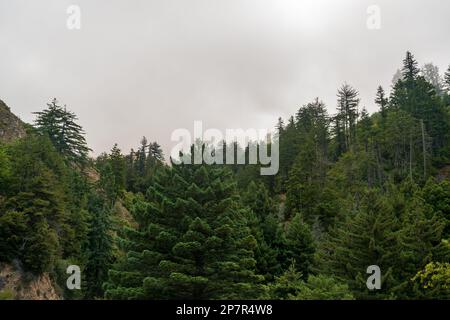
{"points": [[148, 67]]}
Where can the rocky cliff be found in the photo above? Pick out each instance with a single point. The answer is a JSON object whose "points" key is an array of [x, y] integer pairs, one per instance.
{"points": [[11, 127], [16, 284]]}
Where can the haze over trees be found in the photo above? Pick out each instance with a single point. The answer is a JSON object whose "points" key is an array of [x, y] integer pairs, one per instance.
{"points": [[354, 189]]}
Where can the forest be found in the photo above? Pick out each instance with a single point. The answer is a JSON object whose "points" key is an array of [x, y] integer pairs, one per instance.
{"points": [[353, 190]]}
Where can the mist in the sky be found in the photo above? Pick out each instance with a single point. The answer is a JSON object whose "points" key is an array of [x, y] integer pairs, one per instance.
{"points": [[149, 67]]}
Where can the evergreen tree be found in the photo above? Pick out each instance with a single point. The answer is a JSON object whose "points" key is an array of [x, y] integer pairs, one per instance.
{"points": [[118, 167], [382, 101], [155, 152], [99, 247], [322, 288], [419, 241], [308, 172], [66, 135], [447, 80], [300, 245], [361, 239], [290, 286], [410, 69], [141, 157], [437, 196], [265, 228], [348, 102], [192, 242], [35, 218], [5, 169], [418, 97]]}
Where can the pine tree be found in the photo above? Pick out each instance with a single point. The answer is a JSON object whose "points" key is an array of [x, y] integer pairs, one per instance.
{"points": [[118, 167], [66, 135], [348, 102], [5, 169], [155, 152], [265, 228], [382, 101], [339, 141], [288, 151], [192, 242], [141, 156], [437, 195], [286, 285], [280, 127], [308, 172], [410, 69], [300, 245], [361, 239], [447, 80], [322, 288], [419, 241], [99, 247], [39, 216]]}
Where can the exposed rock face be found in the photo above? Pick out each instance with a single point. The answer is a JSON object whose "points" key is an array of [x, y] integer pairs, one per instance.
{"points": [[11, 127], [13, 282]]}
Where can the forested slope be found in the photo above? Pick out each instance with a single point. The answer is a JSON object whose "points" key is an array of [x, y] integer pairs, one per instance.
{"points": [[354, 190]]}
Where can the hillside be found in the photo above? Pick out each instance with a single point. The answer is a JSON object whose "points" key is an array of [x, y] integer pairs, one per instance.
{"points": [[17, 284], [11, 127]]}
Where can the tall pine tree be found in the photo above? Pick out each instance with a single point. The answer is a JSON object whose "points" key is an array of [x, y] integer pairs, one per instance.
{"points": [[192, 242]]}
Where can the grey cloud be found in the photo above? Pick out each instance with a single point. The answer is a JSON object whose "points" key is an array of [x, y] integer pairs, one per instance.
{"points": [[148, 67]]}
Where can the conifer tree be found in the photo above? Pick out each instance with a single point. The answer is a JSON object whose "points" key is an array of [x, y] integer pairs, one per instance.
{"points": [[280, 127], [155, 152], [192, 242], [300, 245], [447, 80], [410, 69], [5, 169], [99, 247], [382, 101], [419, 241], [118, 167], [61, 127], [363, 238], [265, 229], [418, 97], [348, 102]]}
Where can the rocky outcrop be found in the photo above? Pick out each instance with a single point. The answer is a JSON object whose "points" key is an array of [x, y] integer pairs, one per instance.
{"points": [[11, 127], [15, 284]]}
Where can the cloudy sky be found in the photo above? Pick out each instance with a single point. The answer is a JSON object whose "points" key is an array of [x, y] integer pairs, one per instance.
{"points": [[148, 67]]}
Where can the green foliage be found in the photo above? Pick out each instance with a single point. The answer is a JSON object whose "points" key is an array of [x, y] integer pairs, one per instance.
{"points": [[434, 281], [353, 190], [99, 253], [437, 195], [266, 229], [286, 285], [362, 238], [5, 169], [345, 130], [42, 214], [141, 165], [192, 242], [300, 244], [65, 134], [447, 80], [6, 295], [290, 286], [322, 288]]}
